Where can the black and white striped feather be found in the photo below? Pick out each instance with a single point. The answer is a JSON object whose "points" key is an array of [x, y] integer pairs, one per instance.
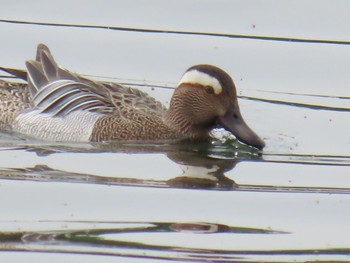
{"points": [[58, 92]]}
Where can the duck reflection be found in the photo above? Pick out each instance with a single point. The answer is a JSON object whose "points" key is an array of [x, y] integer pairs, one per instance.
{"points": [[203, 166], [201, 171]]}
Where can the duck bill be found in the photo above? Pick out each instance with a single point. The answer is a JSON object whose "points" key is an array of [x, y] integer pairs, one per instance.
{"points": [[233, 122]]}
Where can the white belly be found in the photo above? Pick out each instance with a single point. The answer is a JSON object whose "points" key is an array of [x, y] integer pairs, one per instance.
{"points": [[76, 126]]}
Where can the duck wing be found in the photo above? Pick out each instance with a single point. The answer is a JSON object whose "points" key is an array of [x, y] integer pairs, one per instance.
{"points": [[59, 95], [58, 91]]}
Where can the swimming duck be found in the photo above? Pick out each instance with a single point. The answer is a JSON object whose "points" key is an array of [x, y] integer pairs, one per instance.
{"points": [[58, 105]]}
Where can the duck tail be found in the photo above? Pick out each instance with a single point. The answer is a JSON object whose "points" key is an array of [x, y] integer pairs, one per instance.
{"points": [[19, 73]]}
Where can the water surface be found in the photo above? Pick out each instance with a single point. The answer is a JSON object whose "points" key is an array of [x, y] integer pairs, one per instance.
{"points": [[213, 202]]}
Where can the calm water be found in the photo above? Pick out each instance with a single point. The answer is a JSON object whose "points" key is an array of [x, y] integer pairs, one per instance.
{"points": [[214, 202]]}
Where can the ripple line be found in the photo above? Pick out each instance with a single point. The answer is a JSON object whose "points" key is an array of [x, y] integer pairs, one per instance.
{"points": [[182, 32]]}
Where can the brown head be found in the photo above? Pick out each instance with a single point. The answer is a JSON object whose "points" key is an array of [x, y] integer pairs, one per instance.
{"points": [[206, 98]]}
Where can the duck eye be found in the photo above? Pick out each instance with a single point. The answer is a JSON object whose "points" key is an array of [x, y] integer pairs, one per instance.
{"points": [[209, 89]]}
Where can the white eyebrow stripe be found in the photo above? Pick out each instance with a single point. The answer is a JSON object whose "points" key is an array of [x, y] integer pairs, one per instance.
{"points": [[201, 78]]}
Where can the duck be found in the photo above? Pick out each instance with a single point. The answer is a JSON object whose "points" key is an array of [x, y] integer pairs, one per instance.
{"points": [[55, 104]]}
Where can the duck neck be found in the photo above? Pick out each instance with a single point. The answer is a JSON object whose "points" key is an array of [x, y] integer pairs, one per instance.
{"points": [[179, 119]]}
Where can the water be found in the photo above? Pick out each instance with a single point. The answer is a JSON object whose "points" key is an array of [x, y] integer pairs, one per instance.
{"points": [[214, 202]]}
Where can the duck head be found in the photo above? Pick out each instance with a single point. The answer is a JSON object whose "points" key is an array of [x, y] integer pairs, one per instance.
{"points": [[206, 98]]}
